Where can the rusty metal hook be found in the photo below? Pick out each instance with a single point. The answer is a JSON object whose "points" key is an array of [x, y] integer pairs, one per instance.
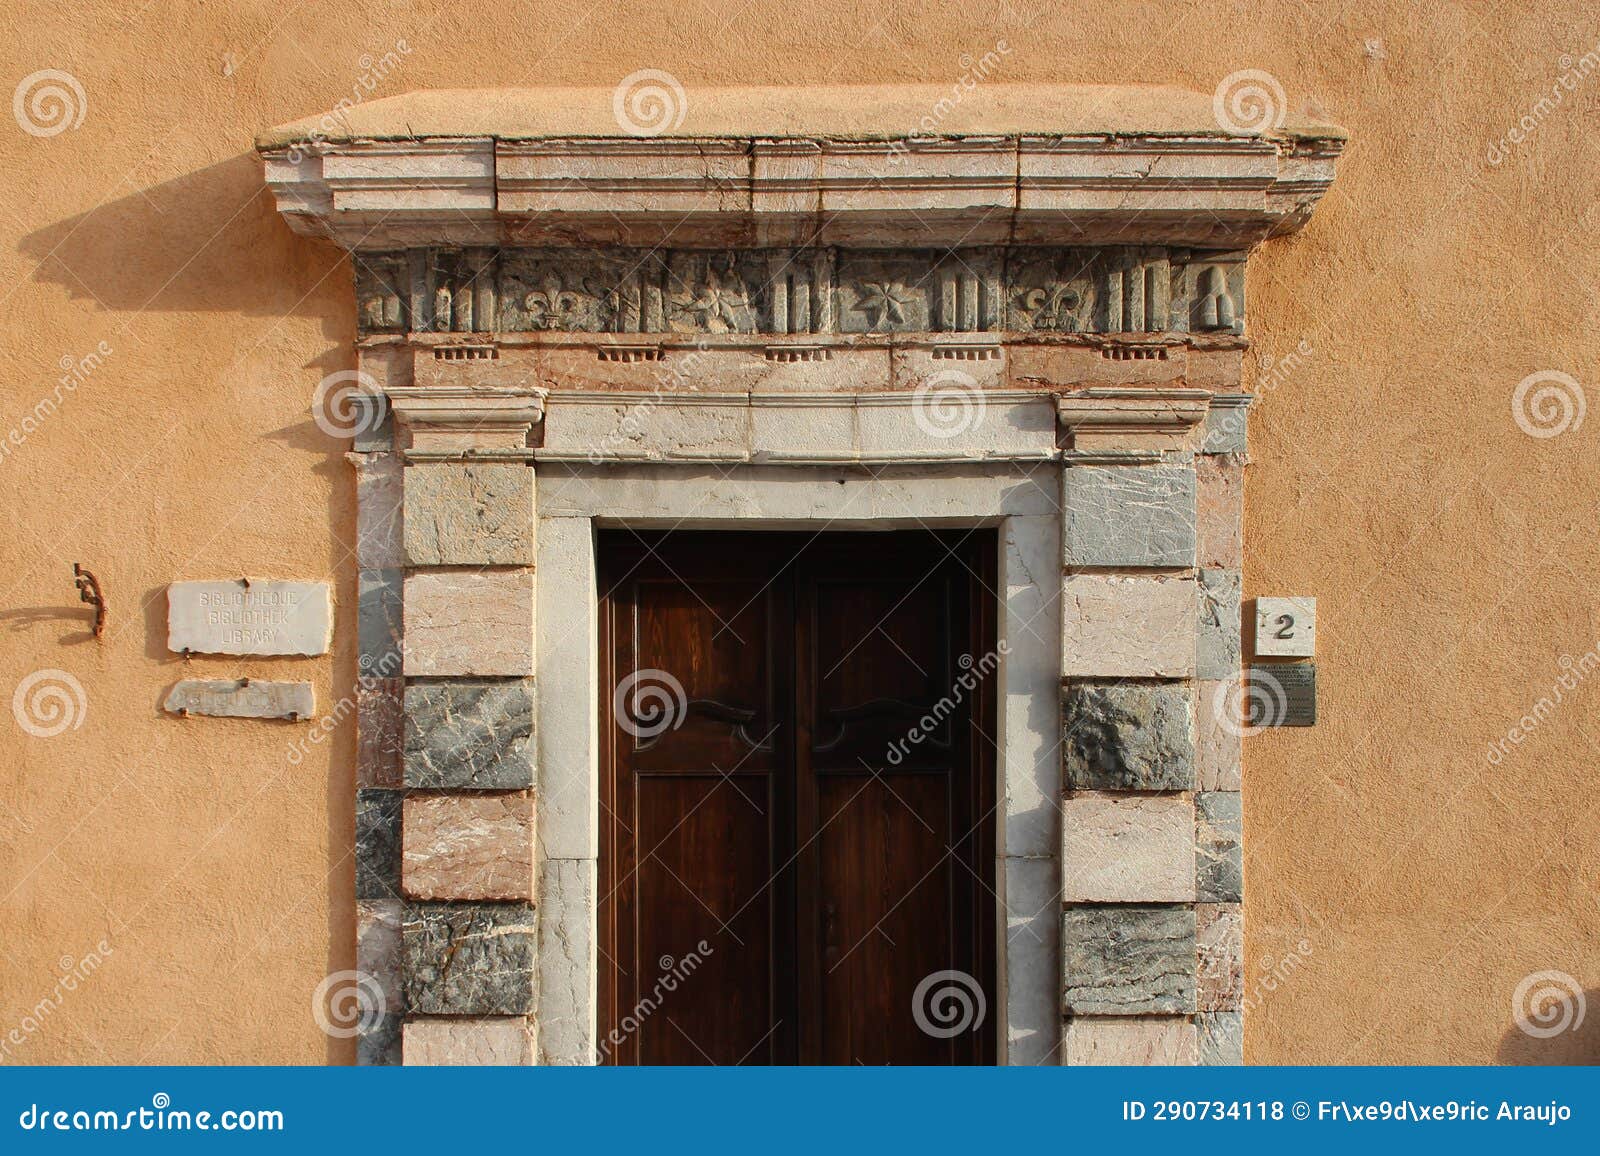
{"points": [[89, 591]]}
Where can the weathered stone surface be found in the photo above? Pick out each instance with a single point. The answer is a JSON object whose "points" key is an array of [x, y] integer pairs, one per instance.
{"points": [[1127, 849], [1221, 1038], [1217, 650], [569, 960], [1227, 428], [1116, 627], [1219, 945], [1032, 960], [1135, 960], [378, 1043], [372, 419], [378, 621], [467, 514], [377, 843], [378, 947], [1218, 861], [1135, 1041], [1219, 520], [249, 616], [469, 958], [466, 623], [1030, 608], [468, 847], [469, 733], [379, 729], [241, 698], [1128, 736], [469, 1041], [1218, 752], [378, 503], [1129, 515]]}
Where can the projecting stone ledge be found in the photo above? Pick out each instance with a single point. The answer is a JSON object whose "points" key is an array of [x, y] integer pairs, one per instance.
{"points": [[1017, 163]]}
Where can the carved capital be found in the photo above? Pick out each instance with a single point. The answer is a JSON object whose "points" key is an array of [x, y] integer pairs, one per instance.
{"points": [[1118, 411], [467, 420]]}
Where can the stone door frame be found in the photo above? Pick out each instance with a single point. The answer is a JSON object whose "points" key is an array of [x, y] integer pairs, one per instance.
{"points": [[575, 505], [876, 332]]}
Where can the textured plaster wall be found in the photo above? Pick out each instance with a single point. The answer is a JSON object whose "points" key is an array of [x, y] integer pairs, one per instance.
{"points": [[1452, 554]]}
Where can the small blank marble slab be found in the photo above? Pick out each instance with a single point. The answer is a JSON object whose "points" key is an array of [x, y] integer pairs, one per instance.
{"points": [[249, 616], [241, 698]]}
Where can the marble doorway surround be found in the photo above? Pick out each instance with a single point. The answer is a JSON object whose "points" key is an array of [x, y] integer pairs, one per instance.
{"points": [[781, 317]]}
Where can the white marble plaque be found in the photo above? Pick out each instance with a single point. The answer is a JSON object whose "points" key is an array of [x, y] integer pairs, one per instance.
{"points": [[242, 698], [1286, 627], [249, 616]]}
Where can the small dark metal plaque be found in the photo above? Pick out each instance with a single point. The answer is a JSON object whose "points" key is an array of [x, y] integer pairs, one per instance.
{"points": [[1283, 695]]}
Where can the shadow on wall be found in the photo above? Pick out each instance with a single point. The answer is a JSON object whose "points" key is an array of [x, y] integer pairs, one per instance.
{"points": [[1567, 1033], [210, 241]]}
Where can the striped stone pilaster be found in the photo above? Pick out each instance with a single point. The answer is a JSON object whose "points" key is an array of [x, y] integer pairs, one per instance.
{"points": [[1151, 889], [377, 703], [445, 810]]}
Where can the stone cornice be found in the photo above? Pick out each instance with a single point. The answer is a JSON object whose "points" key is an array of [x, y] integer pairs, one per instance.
{"points": [[1006, 164]]}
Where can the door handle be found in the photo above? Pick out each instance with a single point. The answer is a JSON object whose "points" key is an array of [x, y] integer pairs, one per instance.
{"points": [[830, 927]]}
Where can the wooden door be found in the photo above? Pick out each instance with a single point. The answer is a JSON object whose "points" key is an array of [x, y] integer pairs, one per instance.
{"points": [[797, 796]]}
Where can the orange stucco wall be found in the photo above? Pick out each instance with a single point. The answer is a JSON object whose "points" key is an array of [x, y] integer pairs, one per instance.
{"points": [[1452, 554]]}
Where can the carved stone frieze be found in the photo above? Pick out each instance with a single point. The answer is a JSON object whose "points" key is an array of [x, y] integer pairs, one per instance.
{"points": [[1023, 289]]}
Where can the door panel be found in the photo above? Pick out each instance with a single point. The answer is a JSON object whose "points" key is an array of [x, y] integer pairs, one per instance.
{"points": [[791, 775]]}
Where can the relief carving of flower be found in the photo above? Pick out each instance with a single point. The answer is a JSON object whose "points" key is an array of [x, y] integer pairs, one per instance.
{"points": [[552, 307], [717, 304], [1054, 308], [885, 302]]}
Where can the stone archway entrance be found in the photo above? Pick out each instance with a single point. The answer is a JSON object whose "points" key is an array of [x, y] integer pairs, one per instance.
{"points": [[779, 322]]}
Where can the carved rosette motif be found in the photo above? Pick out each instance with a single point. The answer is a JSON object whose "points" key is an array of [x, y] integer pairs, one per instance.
{"points": [[1025, 289]]}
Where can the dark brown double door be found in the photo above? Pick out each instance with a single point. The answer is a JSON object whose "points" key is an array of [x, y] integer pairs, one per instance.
{"points": [[797, 798]]}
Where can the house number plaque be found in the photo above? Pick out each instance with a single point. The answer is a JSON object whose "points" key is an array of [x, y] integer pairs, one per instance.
{"points": [[1286, 627]]}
